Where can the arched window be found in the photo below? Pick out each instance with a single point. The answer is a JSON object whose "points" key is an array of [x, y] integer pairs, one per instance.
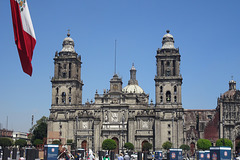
{"points": [[64, 75], [70, 67], [63, 97], [57, 90], [161, 99], [70, 100], [175, 89], [175, 98], [56, 100], [161, 89], [70, 90], [168, 96]]}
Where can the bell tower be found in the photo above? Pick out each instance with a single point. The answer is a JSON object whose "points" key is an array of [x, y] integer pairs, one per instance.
{"points": [[67, 83], [168, 80]]}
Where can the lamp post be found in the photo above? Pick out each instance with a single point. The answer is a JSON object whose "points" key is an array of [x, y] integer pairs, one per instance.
{"points": [[123, 119], [172, 127], [76, 134], [183, 128], [223, 130]]}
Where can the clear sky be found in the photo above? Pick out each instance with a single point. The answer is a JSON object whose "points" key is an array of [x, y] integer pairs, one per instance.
{"points": [[206, 32]]}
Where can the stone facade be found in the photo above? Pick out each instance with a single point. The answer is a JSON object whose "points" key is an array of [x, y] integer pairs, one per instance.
{"points": [[229, 110], [122, 114], [125, 113]]}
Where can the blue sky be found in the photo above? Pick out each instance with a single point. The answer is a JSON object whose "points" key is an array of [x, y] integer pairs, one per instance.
{"points": [[206, 32]]}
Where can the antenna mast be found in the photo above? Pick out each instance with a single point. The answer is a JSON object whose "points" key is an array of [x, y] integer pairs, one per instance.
{"points": [[115, 61]]}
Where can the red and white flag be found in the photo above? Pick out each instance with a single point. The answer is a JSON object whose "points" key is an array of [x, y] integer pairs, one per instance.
{"points": [[25, 38]]}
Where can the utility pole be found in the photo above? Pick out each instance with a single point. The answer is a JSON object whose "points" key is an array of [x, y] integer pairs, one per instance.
{"points": [[172, 128], [177, 128], [123, 119], [223, 123], [76, 134]]}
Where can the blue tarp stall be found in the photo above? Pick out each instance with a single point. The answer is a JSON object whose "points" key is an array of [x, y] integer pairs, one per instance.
{"points": [[220, 153], [207, 155], [50, 152], [175, 154], [158, 155], [201, 155]]}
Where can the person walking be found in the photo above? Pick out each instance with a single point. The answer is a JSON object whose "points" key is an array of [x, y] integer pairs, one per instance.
{"points": [[120, 157], [126, 157]]}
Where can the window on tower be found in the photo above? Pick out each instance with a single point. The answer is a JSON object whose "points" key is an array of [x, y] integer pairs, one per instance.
{"points": [[70, 100], [63, 97], [56, 100], [64, 75], [70, 67], [57, 90], [175, 89], [161, 89], [161, 99], [175, 99], [70, 90], [168, 96]]}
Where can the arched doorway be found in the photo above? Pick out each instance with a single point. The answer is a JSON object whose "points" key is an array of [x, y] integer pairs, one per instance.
{"points": [[143, 144], [84, 145], [116, 151]]}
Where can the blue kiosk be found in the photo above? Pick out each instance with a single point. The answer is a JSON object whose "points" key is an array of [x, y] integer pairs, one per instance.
{"points": [[158, 155], [175, 154], [201, 155], [207, 155], [220, 153], [50, 152]]}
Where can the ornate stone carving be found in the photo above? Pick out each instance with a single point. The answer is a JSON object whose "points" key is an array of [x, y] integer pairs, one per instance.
{"points": [[85, 125], [114, 117]]}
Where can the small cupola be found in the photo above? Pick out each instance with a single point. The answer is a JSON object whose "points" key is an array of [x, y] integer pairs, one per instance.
{"points": [[232, 85], [168, 41], [68, 44]]}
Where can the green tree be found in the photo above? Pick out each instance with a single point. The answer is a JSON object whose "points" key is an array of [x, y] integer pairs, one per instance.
{"points": [[227, 142], [39, 131], [37, 142], [56, 142], [147, 146], [203, 144], [5, 142], [129, 146], [167, 145], [38, 122], [109, 144], [21, 143]]}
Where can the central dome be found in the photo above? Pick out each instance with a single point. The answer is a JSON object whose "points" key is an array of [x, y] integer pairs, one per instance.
{"points": [[133, 88]]}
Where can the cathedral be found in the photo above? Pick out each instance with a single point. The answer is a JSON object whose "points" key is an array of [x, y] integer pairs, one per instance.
{"points": [[124, 113]]}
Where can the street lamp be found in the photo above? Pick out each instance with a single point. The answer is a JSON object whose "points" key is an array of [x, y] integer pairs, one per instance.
{"points": [[123, 119], [183, 128], [76, 135], [172, 126], [223, 130]]}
